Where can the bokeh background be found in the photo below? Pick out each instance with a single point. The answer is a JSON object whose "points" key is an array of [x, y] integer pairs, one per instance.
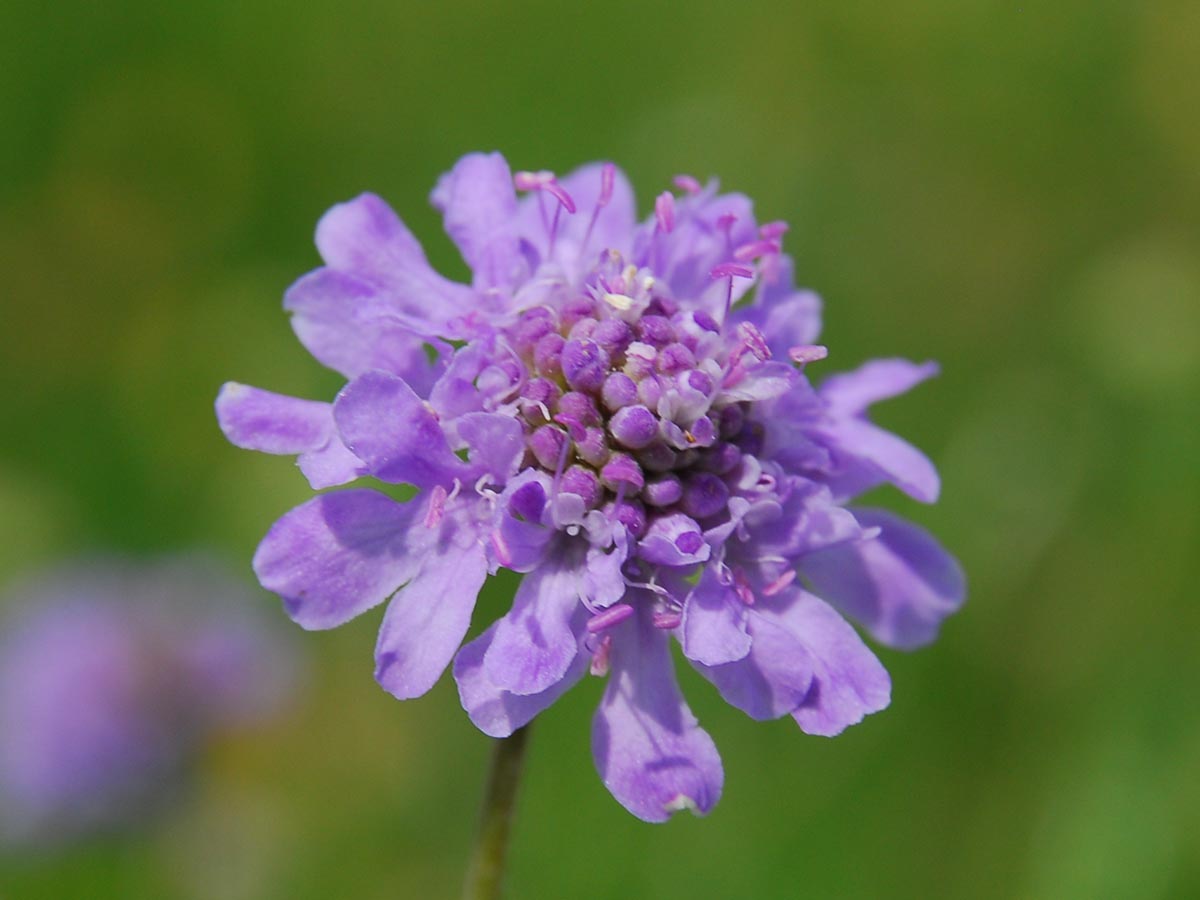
{"points": [[1010, 188]]}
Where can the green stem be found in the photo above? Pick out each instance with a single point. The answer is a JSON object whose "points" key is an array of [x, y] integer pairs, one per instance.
{"points": [[486, 873]]}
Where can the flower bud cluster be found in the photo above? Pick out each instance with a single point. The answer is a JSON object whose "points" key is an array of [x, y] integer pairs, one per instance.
{"points": [[621, 401]]}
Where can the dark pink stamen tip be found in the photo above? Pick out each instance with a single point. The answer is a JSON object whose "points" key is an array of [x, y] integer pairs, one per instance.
{"points": [[437, 506], [732, 270], [687, 183], [557, 191], [755, 249], [667, 620], [807, 353], [607, 173], [614, 615], [726, 221], [779, 583], [664, 211], [772, 230]]}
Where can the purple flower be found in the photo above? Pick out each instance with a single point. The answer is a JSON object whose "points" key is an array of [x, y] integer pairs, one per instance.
{"points": [[619, 411], [111, 677]]}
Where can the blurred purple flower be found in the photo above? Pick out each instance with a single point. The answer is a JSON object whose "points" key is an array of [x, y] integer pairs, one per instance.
{"points": [[619, 411], [112, 675]]}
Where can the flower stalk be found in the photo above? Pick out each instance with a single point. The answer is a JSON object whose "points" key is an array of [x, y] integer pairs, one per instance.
{"points": [[486, 873]]}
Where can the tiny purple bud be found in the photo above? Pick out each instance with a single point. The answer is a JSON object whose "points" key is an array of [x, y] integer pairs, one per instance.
{"points": [[721, 459], [639, 360], [532, 326], [650, 391], [613, 335], [634, 426], [704, 495], [663, 491], [593, 449], [656, 330], [702, 433], [547, 354], [579, 407], [584, 365], [629, 513], [698, 381], [658, 457], [622, 470], [582, 482], [582, 329], [546, 444], [619, 390], [577, 308], [674, 358]]}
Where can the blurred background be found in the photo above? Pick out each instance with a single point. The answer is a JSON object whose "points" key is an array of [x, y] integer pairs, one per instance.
{"points": [[1009, 188]]}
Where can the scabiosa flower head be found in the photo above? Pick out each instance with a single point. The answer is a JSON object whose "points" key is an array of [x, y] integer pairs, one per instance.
{"points": [[111, 677], [618, 410]]}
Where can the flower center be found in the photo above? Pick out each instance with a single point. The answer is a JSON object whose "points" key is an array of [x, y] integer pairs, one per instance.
{"points": [[622, 401]]}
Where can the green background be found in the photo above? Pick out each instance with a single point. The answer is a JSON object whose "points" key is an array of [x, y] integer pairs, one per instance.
{"points": [[1009, 188]]}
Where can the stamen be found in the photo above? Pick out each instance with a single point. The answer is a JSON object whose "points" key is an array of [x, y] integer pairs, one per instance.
{"points": [[687, 183], [807, 353], [599, 666], [437, 506], [755, 249], [664, 211], [614, 615], [667, 619], [503, 553], [731, 270], [773, 230], [607, 173], [779, 583]]}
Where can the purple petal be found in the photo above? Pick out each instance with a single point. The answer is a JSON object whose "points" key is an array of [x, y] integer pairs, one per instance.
{"points": [[536, 641], [428, 618], [848, 682], [865, 456], [338, 555], [764, 382], [601, 580], [351, 326], [332, 465], [395, 433], [899, 586], [775, 677], [255, 419], [852, 392], [649, 750], [478, 203], [495, 711], [497, 442], [714, 622]]}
